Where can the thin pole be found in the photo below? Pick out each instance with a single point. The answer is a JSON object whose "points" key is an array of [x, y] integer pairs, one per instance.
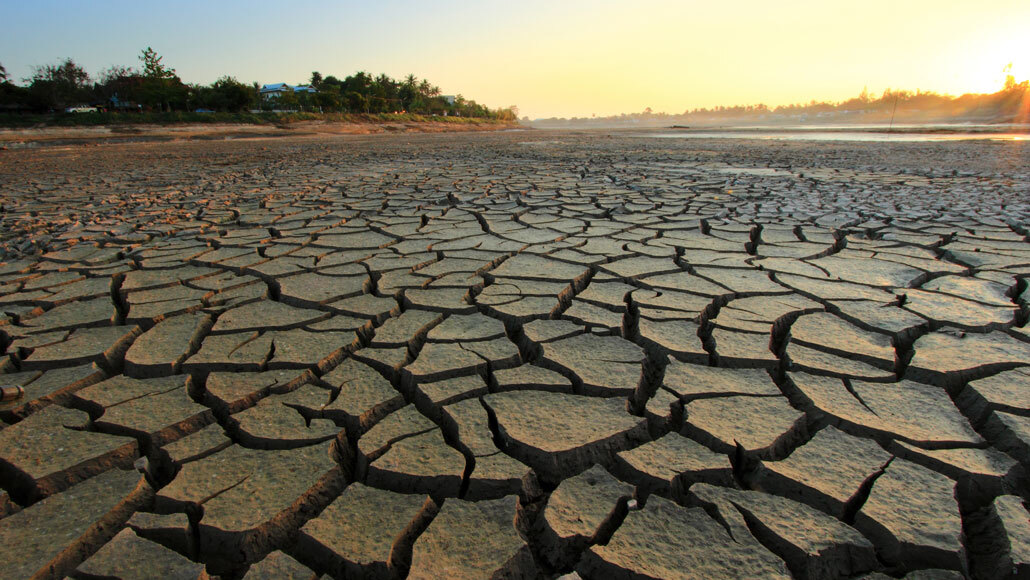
{"points": [[894, 110]]}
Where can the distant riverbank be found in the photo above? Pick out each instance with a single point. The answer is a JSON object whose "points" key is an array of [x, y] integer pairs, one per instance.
{"points": [[96, 128], [855, 132]]}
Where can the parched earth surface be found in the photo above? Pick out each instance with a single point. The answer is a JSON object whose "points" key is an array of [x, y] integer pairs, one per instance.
{"points": [[515, 355]]}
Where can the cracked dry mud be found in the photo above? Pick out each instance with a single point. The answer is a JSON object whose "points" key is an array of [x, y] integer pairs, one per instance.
{"points": [[521, 355]]}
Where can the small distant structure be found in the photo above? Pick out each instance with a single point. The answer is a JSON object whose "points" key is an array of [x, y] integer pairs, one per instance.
{"points": [[448, 98], [276, 90], [120, 105]]}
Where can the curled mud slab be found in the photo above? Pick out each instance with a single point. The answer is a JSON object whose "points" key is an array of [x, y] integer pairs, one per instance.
{"points": [[515, 355]]}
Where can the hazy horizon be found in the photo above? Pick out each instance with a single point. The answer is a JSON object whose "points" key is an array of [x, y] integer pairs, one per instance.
{"points": [[568, 59]]}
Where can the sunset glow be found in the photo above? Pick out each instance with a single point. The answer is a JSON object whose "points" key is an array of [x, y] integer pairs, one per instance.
{"points": [[568, 58]]}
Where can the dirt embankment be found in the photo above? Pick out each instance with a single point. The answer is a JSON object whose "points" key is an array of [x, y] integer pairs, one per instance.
{"points": [[62, 136]]}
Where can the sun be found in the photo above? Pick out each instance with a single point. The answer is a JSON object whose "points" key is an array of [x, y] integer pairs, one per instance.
{"points": [[983, 68]]}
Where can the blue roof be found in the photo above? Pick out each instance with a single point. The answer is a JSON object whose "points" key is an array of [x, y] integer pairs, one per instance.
{"points": [[283, 86]]}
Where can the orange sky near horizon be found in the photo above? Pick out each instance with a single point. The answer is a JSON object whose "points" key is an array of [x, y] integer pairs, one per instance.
{"points": [[686, 56], [553, 57]]}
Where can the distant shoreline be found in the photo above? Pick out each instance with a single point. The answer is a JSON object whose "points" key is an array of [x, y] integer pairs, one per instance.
{"points": [[920, 128]]}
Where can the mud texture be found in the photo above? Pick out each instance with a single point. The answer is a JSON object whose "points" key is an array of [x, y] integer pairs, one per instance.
{"points": [[520, 355]]}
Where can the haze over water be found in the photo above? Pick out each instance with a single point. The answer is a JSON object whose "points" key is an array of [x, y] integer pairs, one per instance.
{"points": [[818, 135]]}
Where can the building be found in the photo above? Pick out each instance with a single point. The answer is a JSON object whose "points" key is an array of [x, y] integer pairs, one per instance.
{"points": [[276, 90], [117, 104]]}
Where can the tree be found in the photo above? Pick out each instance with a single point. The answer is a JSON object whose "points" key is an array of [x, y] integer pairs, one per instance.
{"points": [[152, 67], [287, 100], [509, 114], [229, 94], [58, 86], [316, 79], [387, 98], [327, 98], [428, 91], [360, 82], [356, 102], [116, 72], [408, 93], [119, 86], [460, 106], [161, 87], [12, 97], [67, 72]]}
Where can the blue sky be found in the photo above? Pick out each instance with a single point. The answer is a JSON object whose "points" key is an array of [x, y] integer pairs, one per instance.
{"points": [[254, 38], [555, 57]]}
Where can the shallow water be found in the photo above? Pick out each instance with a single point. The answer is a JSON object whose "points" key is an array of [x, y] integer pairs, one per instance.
{"points": [[824, 135], [884, 127]]}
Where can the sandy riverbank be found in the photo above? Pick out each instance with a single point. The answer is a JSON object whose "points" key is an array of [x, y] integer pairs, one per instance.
{"points": [[50, 136]]}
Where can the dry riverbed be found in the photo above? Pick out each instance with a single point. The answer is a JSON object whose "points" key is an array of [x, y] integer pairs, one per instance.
{"points": [[520, 355]]}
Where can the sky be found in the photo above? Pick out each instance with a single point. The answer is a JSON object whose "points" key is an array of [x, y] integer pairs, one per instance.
{"points": [[550, 57]]}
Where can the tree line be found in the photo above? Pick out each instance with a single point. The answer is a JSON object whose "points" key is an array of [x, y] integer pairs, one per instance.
{"points": [[157, 87], [1011, 104], [1012, 101]]}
